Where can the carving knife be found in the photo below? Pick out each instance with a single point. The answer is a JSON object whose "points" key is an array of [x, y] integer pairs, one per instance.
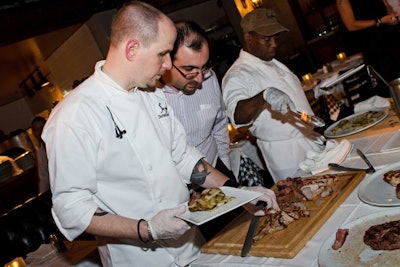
{"points": [[248, 242]]}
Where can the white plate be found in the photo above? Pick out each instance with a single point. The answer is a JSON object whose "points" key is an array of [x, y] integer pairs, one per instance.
{"points": [[241, 198], [354, 251], [343, 76], [328, 132], [375, 191]]}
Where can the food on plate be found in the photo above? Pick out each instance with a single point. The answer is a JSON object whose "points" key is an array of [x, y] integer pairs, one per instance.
{"points": [[357, 122], [384, 236], [209, 200], [393, 178], [398, 191], [292, 195], [341, 235]]}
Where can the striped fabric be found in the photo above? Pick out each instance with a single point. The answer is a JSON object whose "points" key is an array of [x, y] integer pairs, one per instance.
{"points": [[204, 118]]}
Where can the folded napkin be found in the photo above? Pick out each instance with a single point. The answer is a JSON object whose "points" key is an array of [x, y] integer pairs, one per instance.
{"points": [[375, 102], [243, 149], [334, 152]]}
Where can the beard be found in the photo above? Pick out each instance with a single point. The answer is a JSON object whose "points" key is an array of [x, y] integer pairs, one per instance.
{"points": [[191, 87]]}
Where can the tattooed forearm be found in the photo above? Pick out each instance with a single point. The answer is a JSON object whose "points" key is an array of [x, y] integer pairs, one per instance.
{"points": [[200, 172]]}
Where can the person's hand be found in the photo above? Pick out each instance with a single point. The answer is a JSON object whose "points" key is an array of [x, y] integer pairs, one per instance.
{"points": [[317, 138], [278, 100], [391, 19], [268, 196], [165, 225]]}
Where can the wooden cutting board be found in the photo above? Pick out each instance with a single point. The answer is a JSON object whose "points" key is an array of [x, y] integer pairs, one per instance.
{"points": [[288, 242]]}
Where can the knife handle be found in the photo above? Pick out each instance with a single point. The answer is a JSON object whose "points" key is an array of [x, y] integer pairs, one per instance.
{"points": [[261, 204]]}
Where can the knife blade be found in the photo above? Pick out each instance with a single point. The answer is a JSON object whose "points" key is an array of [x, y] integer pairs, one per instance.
{"points": [[248, 242]]}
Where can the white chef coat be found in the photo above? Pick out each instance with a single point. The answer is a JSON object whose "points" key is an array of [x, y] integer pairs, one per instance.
{"points": [[135, 176], [203, 116], [283, 139]]}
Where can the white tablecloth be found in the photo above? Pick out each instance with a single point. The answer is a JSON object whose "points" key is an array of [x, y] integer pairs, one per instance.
{"points": [[79, 253], [351, 209]]}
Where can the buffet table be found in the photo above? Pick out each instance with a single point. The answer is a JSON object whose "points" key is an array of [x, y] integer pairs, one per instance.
{"points": [[351, 209], [373, 142]]}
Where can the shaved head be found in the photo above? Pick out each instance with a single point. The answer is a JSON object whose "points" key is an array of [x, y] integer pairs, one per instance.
{"points": [[138, 20]]}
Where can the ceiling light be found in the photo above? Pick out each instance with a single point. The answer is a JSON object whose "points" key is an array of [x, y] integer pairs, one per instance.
{"points": [[256, 3]]}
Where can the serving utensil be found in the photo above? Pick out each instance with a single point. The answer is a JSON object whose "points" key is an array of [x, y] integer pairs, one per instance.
{"points": [[361, 154], [314, 120], [338, 167]]}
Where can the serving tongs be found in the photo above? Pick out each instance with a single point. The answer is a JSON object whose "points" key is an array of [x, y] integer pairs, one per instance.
{"points": [[314, 120], [338, 167]]}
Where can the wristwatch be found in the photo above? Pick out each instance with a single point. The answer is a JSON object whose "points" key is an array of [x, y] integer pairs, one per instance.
{"points": [[378, 22]]}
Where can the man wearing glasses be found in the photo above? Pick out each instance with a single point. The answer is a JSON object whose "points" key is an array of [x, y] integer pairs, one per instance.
{"points": [[192, 89]]}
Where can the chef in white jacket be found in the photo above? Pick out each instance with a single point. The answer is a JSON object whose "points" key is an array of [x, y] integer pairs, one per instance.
{"points": [[118, 160], [258, 90]]}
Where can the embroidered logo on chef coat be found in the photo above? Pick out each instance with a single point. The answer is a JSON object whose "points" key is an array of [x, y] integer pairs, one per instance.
{"points": [[164, 110]]}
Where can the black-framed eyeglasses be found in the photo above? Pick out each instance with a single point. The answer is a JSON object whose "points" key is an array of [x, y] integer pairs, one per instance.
{"points": [[206, 72]]}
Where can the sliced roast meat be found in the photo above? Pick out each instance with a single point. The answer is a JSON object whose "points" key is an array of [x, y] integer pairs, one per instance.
{"points": [[384, 236], [341, 235]]}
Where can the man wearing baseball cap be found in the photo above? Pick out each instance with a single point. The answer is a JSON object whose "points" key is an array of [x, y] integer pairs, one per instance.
{"points": [[258, 91]]}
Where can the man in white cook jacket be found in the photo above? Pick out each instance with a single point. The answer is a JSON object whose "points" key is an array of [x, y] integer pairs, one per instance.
{"points": [[118, 160], [258, 90]]}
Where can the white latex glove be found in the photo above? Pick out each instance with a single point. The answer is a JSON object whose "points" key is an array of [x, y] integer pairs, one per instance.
{"points": [[317, 138], [268, 196], [320, 90], [165, 225], [278, 100]]}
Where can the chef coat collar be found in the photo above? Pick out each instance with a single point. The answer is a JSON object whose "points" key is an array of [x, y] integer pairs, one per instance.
{"points": [[107, 79]]}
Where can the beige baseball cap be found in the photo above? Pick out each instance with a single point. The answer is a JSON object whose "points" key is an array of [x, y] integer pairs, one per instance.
{"points": [[262, 21]]}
